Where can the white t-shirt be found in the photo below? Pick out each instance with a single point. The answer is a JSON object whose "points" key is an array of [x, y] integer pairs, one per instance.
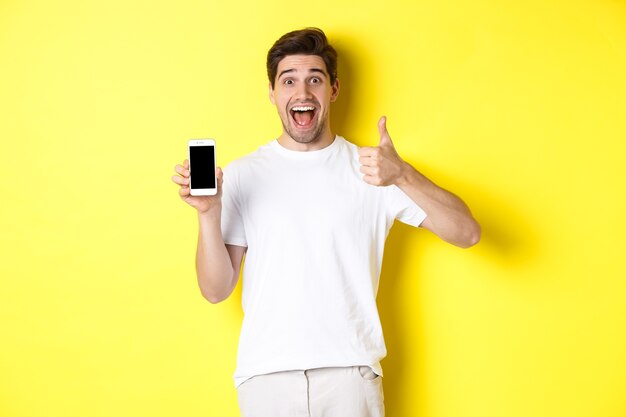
{"points": [[315, 233]]}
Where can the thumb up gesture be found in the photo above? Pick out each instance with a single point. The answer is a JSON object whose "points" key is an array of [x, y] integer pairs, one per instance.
{"points": [[381, 164]]}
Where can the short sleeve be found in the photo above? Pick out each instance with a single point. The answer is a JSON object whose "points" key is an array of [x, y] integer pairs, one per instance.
{"points": [[401, 207], [233, 230]]}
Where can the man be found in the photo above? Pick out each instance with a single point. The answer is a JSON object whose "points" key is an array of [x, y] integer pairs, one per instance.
{"points": [[311, 211]]}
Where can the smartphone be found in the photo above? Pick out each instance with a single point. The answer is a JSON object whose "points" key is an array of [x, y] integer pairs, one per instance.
{"points": [[202, 167]]}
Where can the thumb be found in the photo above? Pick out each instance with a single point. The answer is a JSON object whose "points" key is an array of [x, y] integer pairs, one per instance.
{"points": [[385, 139], [219, 174]]}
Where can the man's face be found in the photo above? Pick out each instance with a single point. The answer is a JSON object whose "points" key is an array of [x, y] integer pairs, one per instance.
{"points": [[302, 94]]}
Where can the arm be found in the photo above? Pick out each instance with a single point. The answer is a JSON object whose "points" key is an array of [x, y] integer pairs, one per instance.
{"points": [[448, 216], [217, 264]]}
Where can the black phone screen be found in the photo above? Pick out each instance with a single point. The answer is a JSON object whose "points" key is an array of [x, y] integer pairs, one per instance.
{"points": [[202, 169]]}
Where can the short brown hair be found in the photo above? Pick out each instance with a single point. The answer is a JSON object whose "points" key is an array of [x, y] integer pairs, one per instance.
{"points": [[309, 41]]}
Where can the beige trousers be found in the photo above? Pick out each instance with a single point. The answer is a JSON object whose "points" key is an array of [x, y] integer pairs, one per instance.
{"points": [[353, 391]]}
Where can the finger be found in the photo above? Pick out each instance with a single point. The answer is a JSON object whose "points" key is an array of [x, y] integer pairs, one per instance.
{"points": [[182, 171], [369, 151], [184, 191], [372, 180], [186, 163], [220, 179], [385, 139], [368, 179], [368, 161], [368, 170], [180, 180]]}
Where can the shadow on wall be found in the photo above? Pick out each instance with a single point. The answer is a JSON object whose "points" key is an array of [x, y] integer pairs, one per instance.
{"points": [[348, 63]]}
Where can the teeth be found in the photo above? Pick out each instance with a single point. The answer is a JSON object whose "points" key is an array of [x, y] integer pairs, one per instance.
{"points": [[303, 108]]}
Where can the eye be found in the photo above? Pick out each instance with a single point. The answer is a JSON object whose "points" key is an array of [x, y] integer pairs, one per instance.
{"points": [[288, 81], [315, 80]]}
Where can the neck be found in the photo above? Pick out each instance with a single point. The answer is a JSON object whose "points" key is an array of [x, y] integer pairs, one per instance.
{"points": [[322, 141]]}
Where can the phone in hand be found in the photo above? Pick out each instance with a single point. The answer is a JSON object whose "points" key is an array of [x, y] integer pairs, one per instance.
{"points": [[202, 167]]}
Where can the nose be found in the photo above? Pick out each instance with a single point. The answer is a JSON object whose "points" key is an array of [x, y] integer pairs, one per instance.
{"points": [[303, 92]]}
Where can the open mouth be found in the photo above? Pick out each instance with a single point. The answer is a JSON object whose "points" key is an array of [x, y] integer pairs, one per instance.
{"points": [[303, 116]]}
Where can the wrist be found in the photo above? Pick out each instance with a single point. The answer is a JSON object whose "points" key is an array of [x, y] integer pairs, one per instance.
{"points": [[212, 213], [406, 173]]}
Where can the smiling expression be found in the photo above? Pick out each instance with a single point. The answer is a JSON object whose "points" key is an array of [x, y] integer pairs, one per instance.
{"points": [[302, 94]]}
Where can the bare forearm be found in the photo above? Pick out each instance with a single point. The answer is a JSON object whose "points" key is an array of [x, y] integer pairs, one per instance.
{"points": [[448, 216], [213, 264]]}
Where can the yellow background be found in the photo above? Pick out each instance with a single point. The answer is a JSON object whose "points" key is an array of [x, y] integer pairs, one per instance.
{"points": [[518, 107]]}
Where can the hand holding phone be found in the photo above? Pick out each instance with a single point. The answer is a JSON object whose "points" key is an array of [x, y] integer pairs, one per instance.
{"points": [[202, 203]]}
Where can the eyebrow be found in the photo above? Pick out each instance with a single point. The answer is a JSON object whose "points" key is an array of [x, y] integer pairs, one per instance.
{"points": [[316, 70]]}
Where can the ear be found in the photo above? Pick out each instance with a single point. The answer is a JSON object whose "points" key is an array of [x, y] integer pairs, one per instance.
{"points": [[271, 94], [334, 90]]}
